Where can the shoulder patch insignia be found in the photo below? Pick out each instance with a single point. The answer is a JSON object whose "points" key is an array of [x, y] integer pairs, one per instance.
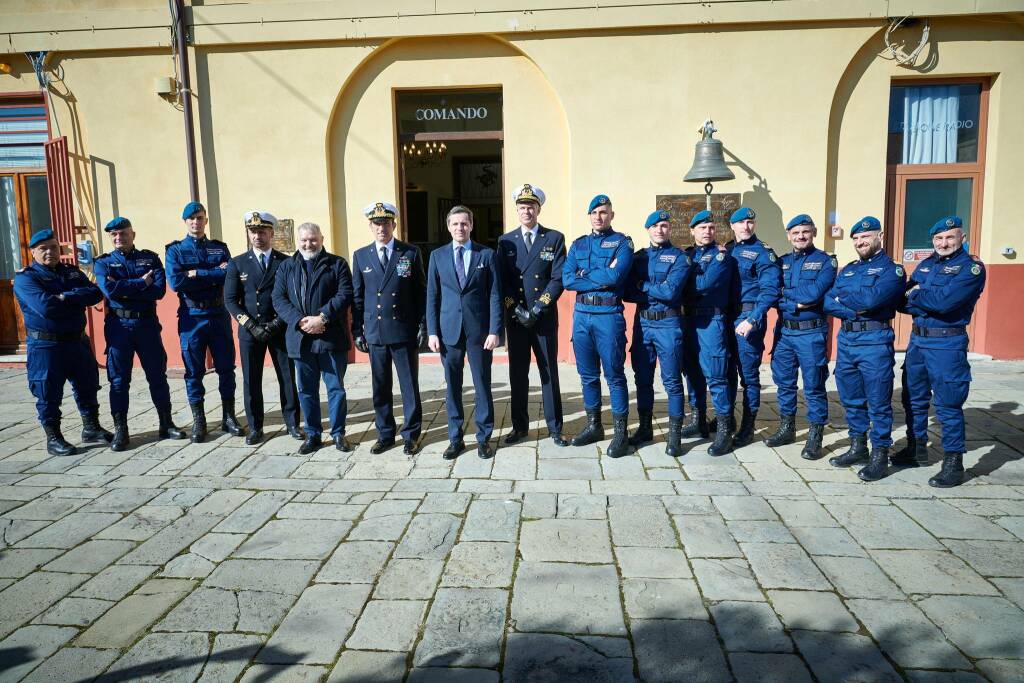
{"points": [[772, 257], [833, 261], [720, 256], [976, 269], [899, 271]]}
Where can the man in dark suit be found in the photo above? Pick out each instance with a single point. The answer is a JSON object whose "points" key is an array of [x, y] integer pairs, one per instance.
{"points": [[464, 318], [530, 260], [312, 293], [387, 323], [248, 294]]}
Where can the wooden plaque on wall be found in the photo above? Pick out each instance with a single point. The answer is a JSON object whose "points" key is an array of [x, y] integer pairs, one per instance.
{"points": [[683, 207]]}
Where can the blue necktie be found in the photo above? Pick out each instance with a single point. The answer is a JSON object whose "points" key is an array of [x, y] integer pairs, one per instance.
{"points": [[263, 261], [460, 269]]}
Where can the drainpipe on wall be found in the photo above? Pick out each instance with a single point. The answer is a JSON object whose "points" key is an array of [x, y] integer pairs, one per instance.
{"points": [[185, 92]]}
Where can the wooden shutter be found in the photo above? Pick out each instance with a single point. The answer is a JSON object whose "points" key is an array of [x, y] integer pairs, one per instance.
{"points": [[62, 214]]}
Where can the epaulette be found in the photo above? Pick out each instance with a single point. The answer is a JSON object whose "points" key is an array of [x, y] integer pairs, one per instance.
{"points": [[221, 242], [148, 251], [103, 255], [579, 239], [977, 259], [21, 270], [767, 246], [171, 244]]}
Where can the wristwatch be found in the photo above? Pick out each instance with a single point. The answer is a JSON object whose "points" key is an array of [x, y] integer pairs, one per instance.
{"points": [[323, 316]]}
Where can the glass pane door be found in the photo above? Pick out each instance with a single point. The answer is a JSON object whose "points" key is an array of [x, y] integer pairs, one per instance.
{"points": [[38, 202], [10, 249], [926, 201]]}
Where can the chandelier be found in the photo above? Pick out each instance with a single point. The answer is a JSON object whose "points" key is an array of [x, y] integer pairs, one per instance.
{"points": [[425, 153]]}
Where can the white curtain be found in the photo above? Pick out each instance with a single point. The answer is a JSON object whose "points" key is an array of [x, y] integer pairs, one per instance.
{"points": [[930, 116], [10, 251]]}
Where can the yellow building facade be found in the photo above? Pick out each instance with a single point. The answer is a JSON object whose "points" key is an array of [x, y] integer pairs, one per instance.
{"points": [[311, 110]]}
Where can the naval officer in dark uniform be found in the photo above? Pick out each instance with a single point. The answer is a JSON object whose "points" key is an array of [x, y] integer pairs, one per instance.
{"points": [[388, 302], [530, 260], [53, 297], [133, 281], [248, 296]]}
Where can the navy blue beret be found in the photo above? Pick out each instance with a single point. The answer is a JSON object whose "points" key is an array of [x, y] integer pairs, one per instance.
{"points": [[599, 200], [866, 224], [944, 224], [704, 216], [657, 217], [802, 219], [742, 214], [40, 236], [118, 223], [191, 209]]}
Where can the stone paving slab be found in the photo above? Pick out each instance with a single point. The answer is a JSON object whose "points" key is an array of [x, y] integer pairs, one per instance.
{"points": [[221, 562]]}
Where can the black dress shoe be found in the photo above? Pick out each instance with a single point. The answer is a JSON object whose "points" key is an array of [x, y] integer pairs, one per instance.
{"points": [[342, 444], [310, 445], [486, 450], [253, 437], [559, 440], [381, 445], [296, 433], [516, 436], [410, 448], [454, 450]]}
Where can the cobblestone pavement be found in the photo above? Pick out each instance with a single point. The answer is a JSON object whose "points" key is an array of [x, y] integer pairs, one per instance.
{"points": [[223, 562]]}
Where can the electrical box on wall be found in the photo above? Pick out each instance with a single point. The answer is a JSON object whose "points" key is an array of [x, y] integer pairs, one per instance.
{"points": [[836, 232], [165, 85]]}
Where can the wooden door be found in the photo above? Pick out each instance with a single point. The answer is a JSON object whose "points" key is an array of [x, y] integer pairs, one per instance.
{"points": [[24, 210]]}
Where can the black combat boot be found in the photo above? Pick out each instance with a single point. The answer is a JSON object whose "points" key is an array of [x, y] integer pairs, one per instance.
{"points": [[696, 425], [723, 436], [229, 423], [55, 443], [92, 430], [168, 430], [785, 434], [593, 432], [745, 434], [913, 455], [644, 432], [951, 474], [620, 441], [858, 452], [120, 441], [198, 422], [673, 446], [812, 449], [878, 464]]}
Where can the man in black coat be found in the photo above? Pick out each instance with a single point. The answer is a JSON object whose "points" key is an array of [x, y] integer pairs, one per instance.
{"points": [[389, 290], [530, 260], [248, 296], [312, 293]]}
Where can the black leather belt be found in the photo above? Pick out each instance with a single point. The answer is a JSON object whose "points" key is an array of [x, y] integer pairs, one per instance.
{"points": [[598, 300], [865, 325], [55, 336], [712, 310], [749, 306], [939, 331], [125, 313], [803, 324], [211, 303], [660, 315]]}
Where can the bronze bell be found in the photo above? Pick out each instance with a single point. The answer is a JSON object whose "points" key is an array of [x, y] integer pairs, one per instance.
{"points": [[708, 159]]}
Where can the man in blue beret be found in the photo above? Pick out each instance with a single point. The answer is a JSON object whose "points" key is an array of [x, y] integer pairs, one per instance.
{"points": [[760, 284], [800, 336], [656, 281], [707, 300], [941, 295], [596, 268], [865, 297], [196, 269], [530, 262], [53, 296], [133, 281]]}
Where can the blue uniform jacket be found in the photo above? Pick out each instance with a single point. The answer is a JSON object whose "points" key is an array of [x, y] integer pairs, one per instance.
{"points": [[537, 276], [474, 309], [249, 291], [760, 277], [714, 284], [204, 256], [299, 293], [37, 289], [658, 277], [388, 306], [598, 263], [119, 276], [948, 288], [865, 290], [806, 278]]}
